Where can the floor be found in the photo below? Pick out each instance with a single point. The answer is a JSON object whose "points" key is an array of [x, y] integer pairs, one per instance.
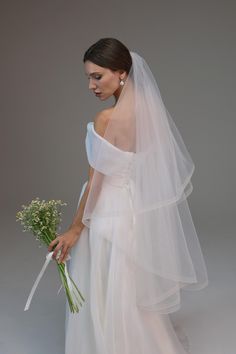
{"points": [[208, 315]]}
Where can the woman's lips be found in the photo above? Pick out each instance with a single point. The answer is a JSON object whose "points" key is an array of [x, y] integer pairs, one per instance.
{"points": [[97, 93]]}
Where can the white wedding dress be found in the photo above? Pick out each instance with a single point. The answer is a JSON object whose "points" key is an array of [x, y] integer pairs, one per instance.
{"points": [[109, 321]]}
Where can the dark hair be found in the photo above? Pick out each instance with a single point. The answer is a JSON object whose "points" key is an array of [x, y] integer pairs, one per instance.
{"points": [[109, 53]]}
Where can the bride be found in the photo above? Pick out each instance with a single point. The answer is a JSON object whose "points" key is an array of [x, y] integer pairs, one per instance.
{"points": [[132, 242]]}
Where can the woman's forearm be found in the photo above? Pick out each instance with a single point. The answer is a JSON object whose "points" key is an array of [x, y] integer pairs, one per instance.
{"points": [[77, 224]]}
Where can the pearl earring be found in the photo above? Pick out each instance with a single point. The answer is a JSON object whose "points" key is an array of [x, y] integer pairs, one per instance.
{"points": [[122, 83]]}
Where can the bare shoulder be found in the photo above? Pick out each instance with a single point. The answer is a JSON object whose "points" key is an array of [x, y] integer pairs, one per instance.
{"points": [[101, 120]]}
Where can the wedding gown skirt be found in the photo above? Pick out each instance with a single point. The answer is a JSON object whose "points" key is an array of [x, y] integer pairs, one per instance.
{"points": [[109, 321]]}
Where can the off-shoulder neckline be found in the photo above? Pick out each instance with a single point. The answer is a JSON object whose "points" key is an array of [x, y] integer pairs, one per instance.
{"points": [[107, 142]]}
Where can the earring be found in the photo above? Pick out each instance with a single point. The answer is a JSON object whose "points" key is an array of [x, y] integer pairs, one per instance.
{"points": [[122, 83]]}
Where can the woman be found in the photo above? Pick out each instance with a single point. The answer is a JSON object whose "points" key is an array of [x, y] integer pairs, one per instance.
{"points": [[133, 243]]}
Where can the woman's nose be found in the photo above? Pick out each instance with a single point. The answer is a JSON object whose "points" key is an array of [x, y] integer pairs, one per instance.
{"points": [[91, 85]]}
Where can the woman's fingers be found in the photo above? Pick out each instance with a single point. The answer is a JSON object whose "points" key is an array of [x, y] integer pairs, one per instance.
{"points": [[63, 244], [64, 254], [57, 248], [55, 241], [63, 248]]}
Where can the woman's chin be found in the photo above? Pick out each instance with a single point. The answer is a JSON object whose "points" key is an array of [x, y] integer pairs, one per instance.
{"points": [[102, 97]]}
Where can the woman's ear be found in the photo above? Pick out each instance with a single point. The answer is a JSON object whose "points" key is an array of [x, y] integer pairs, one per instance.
{"points": [[123, 74]]}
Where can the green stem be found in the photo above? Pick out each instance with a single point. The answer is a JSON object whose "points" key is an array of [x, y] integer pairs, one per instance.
{"points": [[61, 268], [48, 238], [64, 284], [62, 265]]}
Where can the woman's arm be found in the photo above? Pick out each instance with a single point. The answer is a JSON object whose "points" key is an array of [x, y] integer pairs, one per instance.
{"points": [[77, 225], [68, 239], [65, 241], [100, 124]]}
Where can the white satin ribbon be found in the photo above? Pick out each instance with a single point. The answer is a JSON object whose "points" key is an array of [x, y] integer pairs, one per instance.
{"points": [[47, 261]]}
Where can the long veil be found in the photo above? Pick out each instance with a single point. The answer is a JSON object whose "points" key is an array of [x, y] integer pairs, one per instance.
{"points": [[165, 251]]}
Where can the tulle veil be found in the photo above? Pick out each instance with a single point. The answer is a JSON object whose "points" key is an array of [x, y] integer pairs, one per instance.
{"points": [[165, 252]]}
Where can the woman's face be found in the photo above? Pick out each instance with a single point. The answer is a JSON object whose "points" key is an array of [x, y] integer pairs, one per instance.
{"points": [[102, 81]]}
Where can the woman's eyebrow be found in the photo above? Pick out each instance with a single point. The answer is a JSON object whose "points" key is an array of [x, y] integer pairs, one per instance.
{"points": [[95, 72]]}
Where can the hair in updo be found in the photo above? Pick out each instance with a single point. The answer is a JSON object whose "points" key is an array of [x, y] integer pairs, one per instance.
{"points": [[109, 53]]}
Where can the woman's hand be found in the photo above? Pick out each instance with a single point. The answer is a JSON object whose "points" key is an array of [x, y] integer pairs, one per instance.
{"points": [[64, 243]]}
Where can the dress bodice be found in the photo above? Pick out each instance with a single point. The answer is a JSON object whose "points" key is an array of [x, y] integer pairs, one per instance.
{"points": [[114, 163]]}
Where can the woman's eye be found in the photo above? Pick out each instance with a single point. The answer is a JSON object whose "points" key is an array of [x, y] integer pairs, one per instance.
{"points": [[98, 77]]}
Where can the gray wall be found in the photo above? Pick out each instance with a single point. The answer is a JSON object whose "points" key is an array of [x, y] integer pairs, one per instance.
{"points": [[46, 104]]}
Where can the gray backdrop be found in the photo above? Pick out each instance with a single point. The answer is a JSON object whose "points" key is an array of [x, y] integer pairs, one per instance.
{"points": [[45, 106]]}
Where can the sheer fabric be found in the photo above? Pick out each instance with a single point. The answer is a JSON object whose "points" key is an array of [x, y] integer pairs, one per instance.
{"points": [[147, 159]]}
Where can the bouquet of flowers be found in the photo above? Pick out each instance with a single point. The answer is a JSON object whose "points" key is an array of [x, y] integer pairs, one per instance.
{"points": [[42, 219]]}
